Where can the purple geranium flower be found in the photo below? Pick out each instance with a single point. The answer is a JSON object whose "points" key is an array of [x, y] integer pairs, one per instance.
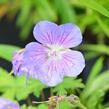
{"points": [[51, 58], [17, 63], [21, 67], [6, 104]]}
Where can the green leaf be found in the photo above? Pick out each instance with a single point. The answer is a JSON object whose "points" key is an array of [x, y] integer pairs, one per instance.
{"points": [[25, 10], [90, 55], [24, 106], [7, 86], [26, 30], [12, 87], [29, 107], [68, 83], [9, 93], [23, 89], [37, 91], [103, 25], [97, 90], [6, 51], [42, 106], [6, 79], [87, 19], [23, 21], [96, 98], [95, 71], [95, 6], [99, 48], [64, 105], [100, 83], [45, 9], [92, 76], [65, 11]]}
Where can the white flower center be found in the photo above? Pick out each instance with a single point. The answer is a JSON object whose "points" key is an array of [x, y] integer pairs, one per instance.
{"points": [[55, 52]]}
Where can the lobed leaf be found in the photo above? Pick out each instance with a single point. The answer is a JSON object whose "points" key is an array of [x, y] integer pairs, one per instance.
{"points": [[12, 87], [68, 83]]}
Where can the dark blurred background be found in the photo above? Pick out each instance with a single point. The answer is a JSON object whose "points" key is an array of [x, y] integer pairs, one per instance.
{"points": [[9, 34]]}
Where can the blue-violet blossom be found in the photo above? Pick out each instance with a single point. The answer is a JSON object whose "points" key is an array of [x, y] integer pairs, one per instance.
{"points": [[6, 104], [50, 59]]}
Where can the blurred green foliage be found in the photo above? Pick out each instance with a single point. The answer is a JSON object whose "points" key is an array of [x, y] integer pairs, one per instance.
{"points": [[94, 13], [91, 15]]}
